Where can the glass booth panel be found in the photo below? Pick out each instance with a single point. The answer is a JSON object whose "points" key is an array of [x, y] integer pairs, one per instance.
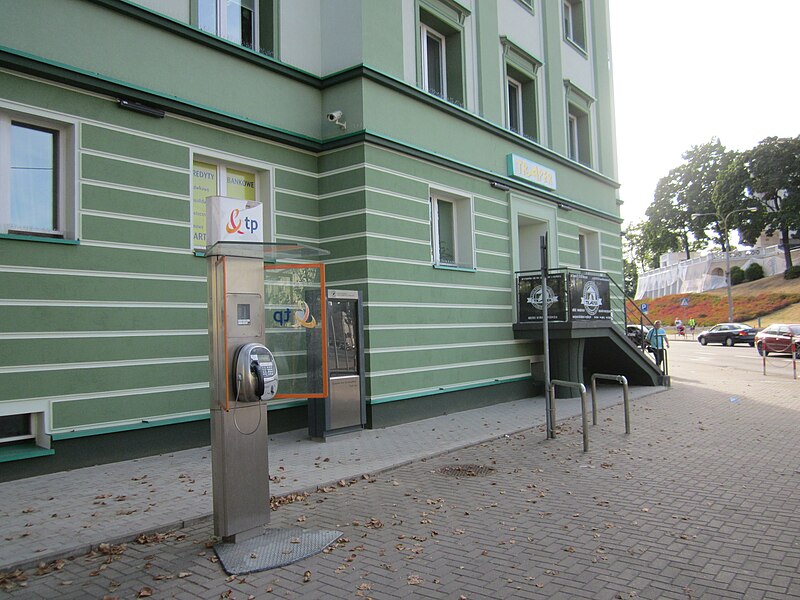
{"points": [[295, 328]]}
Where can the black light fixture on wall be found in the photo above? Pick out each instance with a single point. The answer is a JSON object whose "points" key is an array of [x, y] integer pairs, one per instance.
{"points": [[141, 108]]}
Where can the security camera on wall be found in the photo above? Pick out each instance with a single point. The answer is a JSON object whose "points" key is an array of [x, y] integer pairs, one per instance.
{"points": [[336, 117]]}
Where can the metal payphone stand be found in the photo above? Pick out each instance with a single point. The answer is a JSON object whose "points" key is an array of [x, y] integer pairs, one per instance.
{"points": [[238, 430], [239, 440]]}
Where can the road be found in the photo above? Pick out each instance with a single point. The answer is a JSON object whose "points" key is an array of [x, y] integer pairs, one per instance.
{"points": [[690, 362]]}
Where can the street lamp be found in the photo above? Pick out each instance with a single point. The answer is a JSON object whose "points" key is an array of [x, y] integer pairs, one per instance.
{"points": [[727, 250]]}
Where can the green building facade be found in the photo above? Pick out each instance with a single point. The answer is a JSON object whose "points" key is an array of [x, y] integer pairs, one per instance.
{"points": [[425, 144]]}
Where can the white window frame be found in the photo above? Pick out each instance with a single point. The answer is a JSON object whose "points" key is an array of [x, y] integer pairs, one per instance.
{"points": [[65, 194], [568, 8], [573, 143], [425, 32], [463, 230], [263, 189], [589, 250], [568, 22], [514, 110], [221, 16]]}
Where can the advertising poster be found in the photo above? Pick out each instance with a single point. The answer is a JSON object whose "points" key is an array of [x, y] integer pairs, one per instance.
{"points": [[204, 184], [590, 298], [532, 296]]}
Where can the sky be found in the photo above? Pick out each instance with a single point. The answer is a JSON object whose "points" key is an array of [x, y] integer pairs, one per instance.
{"points": [[686, 71]]}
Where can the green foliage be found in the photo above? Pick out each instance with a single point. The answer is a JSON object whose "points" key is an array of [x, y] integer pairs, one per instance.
{"points": [[737, 275], [753, 272], [792, 273]]}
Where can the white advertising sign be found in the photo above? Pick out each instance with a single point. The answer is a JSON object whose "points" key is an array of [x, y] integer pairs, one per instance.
{"points": [[234, 220], [523, 168]]}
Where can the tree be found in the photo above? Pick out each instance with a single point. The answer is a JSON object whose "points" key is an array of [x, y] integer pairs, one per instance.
{"points": [[767, 177], [686, 190], [635, 249], [630, 277]]}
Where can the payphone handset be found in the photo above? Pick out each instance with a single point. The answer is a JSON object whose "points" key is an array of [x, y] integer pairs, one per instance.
{"points": [[255, 374]]}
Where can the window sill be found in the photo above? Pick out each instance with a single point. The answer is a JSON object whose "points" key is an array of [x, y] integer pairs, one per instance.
{"points": [[23, 451], [38, 238], [455, 268], [578, 48], [527, 5]]}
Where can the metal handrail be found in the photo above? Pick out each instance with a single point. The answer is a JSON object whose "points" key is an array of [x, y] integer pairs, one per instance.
{"points": [[625, 398], [551, 410]]}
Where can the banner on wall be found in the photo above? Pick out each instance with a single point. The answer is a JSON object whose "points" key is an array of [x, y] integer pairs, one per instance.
{"points": [[590, 297], [532, 296]]}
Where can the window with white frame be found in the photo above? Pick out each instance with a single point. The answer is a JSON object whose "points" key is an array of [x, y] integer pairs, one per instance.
{"points": [[217, 178], [249, 23], [37, 174], [441, 55], [522, 110], [452, 230], [574, 23], [589, 249], [434, 67], [579, 124]]}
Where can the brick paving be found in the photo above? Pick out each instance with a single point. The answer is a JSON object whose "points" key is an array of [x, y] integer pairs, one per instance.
{"points": [[700, 501]]}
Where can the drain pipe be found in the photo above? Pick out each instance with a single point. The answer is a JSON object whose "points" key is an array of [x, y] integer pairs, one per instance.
{"points": [[551, 433]]}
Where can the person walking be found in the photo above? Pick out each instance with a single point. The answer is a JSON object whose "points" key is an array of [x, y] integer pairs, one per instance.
{"points": [[657, 338]]}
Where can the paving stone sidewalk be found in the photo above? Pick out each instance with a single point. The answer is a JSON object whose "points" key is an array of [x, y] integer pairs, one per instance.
{"points": [[700, 501], [52, 516]]}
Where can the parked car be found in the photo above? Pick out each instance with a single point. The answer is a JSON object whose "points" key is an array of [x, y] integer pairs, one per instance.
{"points": [[777, 338], [728, 334], [636, 333]]}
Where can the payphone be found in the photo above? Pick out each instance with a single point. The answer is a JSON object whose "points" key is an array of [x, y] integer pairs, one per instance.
{"points": [[255, 374]]}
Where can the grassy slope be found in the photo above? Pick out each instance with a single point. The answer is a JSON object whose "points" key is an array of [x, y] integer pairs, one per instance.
{"points": [[743, 294], [775, 284]]}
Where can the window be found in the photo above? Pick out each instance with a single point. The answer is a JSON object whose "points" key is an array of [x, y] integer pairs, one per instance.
{"points": [[214, 178], [15, 428], [522, 110], [441, 56], [589, 249], [245, 22], [574, 23], [36, 191], [579, 126], [521, 103], [452, 231], [433, 62]]}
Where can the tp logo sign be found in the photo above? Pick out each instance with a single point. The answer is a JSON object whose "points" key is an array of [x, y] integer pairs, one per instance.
{"points": [[234, 220]]}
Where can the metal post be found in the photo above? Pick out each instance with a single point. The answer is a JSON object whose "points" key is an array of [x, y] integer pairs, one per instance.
{"points": [[584, 409], [549, 399], [794, 357], [728, 268], [625, 397]]}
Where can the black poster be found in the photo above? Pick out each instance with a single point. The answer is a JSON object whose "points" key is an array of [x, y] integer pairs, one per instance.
{"points": [[531, 295], [589, 297]]}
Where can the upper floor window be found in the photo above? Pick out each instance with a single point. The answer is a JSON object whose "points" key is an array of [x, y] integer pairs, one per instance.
{"points": [[522, 107], [579, 126], [245, 22], [574, 23], [441, 45], [36, 197]]}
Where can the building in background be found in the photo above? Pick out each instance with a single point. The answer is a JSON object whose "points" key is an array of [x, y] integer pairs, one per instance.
{"points": [[426, 144]]}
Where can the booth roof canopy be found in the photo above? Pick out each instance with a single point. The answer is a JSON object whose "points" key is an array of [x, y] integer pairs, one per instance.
{"points": [[270, 251]]}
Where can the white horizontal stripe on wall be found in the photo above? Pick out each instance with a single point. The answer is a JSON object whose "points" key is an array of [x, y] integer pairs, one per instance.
{"points": [[102, 274], [162, 389], [393, 349], [134, 218], [450, 366], [435, 306], [413, 326], [107, 364], [100, 304], [135, 190], [119, 246], [136, 161], [445, 388], [36, 335]]}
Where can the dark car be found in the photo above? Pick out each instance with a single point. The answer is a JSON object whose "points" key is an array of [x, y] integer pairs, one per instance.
{"points": [[777, 338], [636, 333], [728, 334]]}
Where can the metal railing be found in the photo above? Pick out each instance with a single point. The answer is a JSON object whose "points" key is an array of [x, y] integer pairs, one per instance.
{"points": [[550, 413], [625, 397], [791, 347]]}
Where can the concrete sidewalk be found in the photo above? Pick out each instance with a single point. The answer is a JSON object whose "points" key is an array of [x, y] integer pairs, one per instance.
{"points": [[67, 514]]}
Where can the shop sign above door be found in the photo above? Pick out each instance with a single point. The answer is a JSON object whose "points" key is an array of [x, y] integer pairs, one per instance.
{"points": [[522, 168]]}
